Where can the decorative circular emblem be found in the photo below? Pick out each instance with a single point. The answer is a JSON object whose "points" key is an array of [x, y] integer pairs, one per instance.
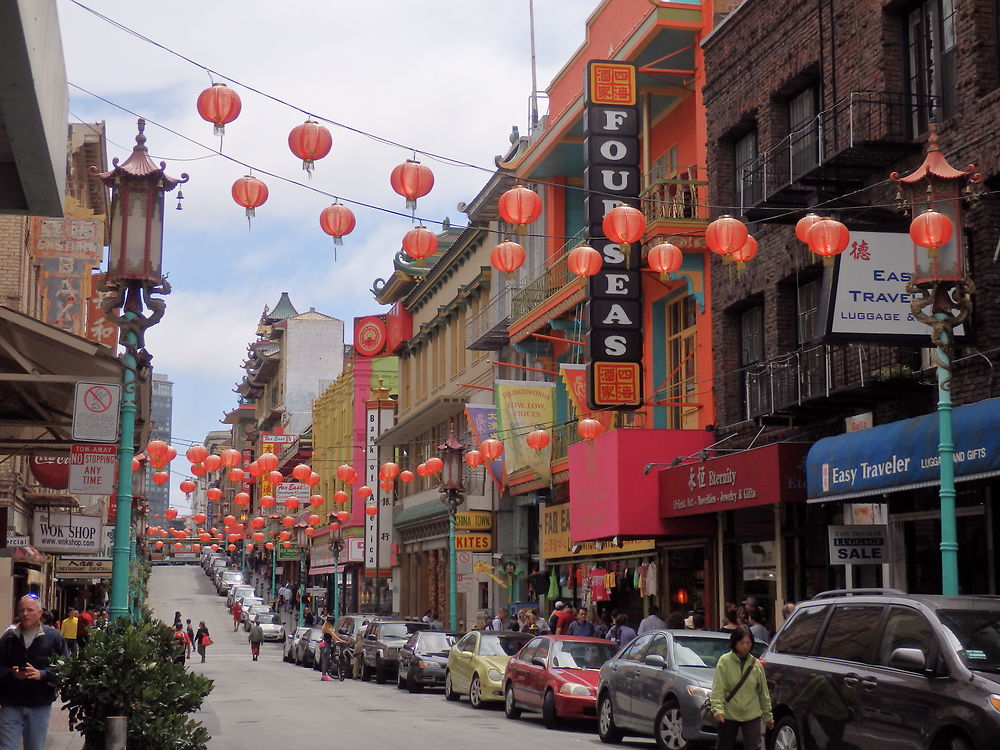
{"points": [[369, 336]]}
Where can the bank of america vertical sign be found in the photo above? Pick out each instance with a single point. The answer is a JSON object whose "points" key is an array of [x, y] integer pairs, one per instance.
{"points": [[611, 175]]}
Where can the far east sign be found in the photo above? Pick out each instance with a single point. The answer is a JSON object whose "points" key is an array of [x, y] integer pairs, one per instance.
{"points": [[611, 177], [95, 412]]}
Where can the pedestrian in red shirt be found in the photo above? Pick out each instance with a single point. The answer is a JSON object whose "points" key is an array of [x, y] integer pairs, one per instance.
{"points": [[564, 617], [237, 611]]}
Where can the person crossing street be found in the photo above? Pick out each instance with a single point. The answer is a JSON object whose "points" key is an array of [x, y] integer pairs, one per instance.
{"points": [[255, 638]]}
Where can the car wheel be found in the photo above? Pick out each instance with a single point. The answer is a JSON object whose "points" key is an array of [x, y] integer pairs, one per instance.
{"points": [[476, 692], [509, 704], [366, 672], [412, 684], [786, 735], [668, 727], [959, 742], [379, 673], [549, 718], [400, 680], [449, 690], [607, 730]]}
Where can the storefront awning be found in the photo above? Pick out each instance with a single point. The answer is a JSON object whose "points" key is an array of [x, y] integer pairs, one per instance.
{"points": [[904, 455], [761, 476]]}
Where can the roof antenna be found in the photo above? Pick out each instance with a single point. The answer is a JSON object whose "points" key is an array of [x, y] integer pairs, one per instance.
{"points": [[534, 75]]}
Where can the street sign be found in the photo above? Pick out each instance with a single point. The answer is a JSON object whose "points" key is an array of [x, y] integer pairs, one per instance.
{"points": [[289, 553], [92, 469], [95, 412], [66, 532]]}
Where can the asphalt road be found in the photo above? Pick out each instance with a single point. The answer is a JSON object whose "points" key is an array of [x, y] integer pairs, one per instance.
{"points": [[269, 704]]}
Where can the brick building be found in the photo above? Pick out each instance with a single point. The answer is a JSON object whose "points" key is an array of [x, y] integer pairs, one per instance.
{"points": [[833, 97]]}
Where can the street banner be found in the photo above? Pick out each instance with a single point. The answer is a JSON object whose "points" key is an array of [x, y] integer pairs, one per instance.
{"points": [[93, 469], [66, 532], [484, 424], [524, 407], [575, 379]]}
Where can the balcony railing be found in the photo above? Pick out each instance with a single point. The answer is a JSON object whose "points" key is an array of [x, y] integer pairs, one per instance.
{"points": [[487, 330], [675, 200], [555, 276], [784, 383], [852, 136]]}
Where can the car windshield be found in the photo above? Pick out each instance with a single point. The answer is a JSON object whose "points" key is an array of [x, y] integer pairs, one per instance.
{"points": [[436, 642], [501, 645], [273, 619], [398, 629], [692, 651], [975, 635], [581, 655]]}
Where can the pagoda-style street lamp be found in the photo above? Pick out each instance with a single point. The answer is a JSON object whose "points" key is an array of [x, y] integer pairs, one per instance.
{"points": [[942, 299], [134, 274], [452, 495]]}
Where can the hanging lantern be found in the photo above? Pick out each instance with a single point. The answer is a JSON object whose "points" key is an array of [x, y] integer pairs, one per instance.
{"points": [[229, 520], [537, 439], [230, 458], [364, 492], [347, 474], [747, 252], [422, 469], [196, 454], [284, 535], [589, 429], [267, 501], [214, 494], [250, 193], [178, 546], [420, 243], [158, 463], [275, 477], [241, 498], [287, 521], [333, 526], [231, 547], [286, 545], [259, 522], [310, 141], [219, 105], [235, 475], [316, 500], [406, 476], [371, 510], [726, 235], [583, 260], [157, 449], [388, 471], [302, 472], [199, 518], [187, 486], [520, 206], [254, 470], [386, 486], [170, 513], [931, 230], [313, 520], [828, 238], [171, 453], [310, 531], [196, 548], [803, 225], [269, 546], [158, 545], [434, 465], [312, 480], [292, 503], [212, 462], [341, 497], [507, 257], [198, 470], [136, 463], [474, 458], [337, 221], [491, 449], [624, 225], [205, 536], [412, 180], [343, 515], [665, 258], [267, 461]]}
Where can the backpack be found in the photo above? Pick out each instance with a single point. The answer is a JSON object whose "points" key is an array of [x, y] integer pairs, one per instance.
{"points": [[181, 637]]}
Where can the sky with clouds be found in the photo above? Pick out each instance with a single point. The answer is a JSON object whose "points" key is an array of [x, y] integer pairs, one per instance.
{"points": [[445, 76]]}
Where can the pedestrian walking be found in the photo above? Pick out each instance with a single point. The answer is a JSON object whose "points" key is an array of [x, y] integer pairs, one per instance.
{"points": [[758, 628], [237, 610], [27, 689], [177, 618], [741, 702], [652, 621], [581, 626], [69, 628], [620, 632], [190, 632], [202, 640], [183, 643], [255, 638]]}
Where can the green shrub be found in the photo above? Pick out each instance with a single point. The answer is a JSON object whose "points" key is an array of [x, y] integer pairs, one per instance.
{"points": [[128, 670]]}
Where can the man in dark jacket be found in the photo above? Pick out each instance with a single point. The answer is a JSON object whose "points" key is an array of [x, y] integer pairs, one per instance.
{"points": [[27, 686]]}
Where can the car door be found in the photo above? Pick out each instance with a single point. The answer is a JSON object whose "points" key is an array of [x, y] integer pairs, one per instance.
{"points": [[517, 669], [461, 664], [622, 680], [535, 676], [650, 681]]}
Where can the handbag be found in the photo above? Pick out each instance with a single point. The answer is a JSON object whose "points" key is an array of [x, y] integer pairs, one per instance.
{"points": [[206, 641], [706, 708]]}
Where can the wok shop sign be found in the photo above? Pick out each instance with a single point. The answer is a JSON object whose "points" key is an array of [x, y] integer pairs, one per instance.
{"points": [[66, 532]]}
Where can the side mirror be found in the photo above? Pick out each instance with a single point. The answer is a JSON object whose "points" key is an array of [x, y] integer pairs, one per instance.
{"points": [[910, 659], [655, 660], [538, 662]]}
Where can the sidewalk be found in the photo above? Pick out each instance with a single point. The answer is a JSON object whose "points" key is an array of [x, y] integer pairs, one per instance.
{"points": [[60, 735]]}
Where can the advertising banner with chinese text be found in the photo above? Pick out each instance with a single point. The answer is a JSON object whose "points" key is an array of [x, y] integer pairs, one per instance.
{"points": [[483, 424], [524, 407]]}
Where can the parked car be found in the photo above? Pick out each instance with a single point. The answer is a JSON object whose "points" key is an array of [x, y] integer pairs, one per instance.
{"points": [[227, 579], [381, 644], [352, 627], [291, 644], [251, 614], [476, 663], [307, 647], [880, 668], [556, 675], [654, 687], [423, 658], [246, 603], [271, 624], [238, 591]]}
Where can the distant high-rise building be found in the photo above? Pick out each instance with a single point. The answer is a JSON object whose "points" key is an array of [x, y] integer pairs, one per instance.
{"points": [[160, 417]]}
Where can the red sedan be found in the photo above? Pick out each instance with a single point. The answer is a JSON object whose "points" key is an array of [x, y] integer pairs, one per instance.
{"points": [[557, 675]]}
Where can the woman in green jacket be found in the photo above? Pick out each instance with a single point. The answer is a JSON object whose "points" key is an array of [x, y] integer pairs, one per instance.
{"points": [[747, 708]]}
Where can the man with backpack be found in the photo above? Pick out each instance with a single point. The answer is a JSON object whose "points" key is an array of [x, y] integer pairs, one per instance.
{"points": [[183, 643], [620, 632], [256, 638]]}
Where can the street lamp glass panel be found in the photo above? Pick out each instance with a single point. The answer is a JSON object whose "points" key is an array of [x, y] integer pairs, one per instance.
{"points": [[136, 233], [451, 472], [945, 263]]}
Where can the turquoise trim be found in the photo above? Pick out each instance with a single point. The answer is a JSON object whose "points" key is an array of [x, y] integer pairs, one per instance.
{"points": [[693, 262], [658, 313]]}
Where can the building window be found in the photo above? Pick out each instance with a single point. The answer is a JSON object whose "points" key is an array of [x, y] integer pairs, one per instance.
{"points": [[755, 394], [682, 375], [807, 311], [749, 171], [803, 132], [930, 54]]}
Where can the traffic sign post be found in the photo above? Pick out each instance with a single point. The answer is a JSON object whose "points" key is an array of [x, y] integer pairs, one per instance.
{"points": [[96, 409]]}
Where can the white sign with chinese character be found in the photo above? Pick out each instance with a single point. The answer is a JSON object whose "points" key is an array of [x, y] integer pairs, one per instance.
{"points": [[869, 298], [378, 528]]}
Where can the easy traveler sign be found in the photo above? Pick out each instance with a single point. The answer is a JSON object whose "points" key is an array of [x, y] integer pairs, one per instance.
{"points": [[904, 455], [859, 545]]}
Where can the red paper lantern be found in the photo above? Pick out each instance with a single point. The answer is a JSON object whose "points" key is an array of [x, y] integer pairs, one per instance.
{"points": [[214, 548], [341, 497], [537, 439], [158, 544], [231, 547], [269, 546], [313, 519], [931, 229], [315, 500], [283, 535], [310, 141], [259, 522], [196, 454], [196, 548], [474, 458], [136, 463], [386, 486], [235, 475], [406, 476], [747, 252], [157, 449], [803, 225], [310, 531], [287, 521], [412, 180], [333, 526], [219, 105], [312, 480], [171, 453], [187, 486], [205, 536], [286, 545], [420, 243], [292, 503], [250, 193], [178, 546], [388, 471], [170, 513], [302, 472], [266, 501], [343, 515], [212, 462], [241, 498], [337, 221], [665, 258], [520, 206], [158, 463], [827, 238], [347, 474], [364, 491], [434, 465], [198, 470], [230, 458], [275, 477], [371, 510], [199, 518], [507, 257], [624, 225], [214, 494], [422, 469], [583, 260], [726, 235], [258, 536], [229, 520], [491, 449], [253, 468], [267, 461], [589, 429]]}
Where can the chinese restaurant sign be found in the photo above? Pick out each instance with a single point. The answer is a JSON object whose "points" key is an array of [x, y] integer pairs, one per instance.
{"points": [[611, 178]]}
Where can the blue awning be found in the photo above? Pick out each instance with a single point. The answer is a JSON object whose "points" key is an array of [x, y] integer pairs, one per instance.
{"points": [[904, 455]]}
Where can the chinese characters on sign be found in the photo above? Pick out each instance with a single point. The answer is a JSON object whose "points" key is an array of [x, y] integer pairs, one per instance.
{"points": [[377, 527]]}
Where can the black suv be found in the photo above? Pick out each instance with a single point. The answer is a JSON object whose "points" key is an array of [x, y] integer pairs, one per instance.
{"points": [[381, 644], [878, 668]]}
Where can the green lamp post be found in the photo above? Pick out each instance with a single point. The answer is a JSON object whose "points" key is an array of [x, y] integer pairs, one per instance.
{"points": [[452, 495]]}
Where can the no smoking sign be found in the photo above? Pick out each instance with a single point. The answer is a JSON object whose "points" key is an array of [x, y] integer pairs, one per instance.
{"points": [[95, 412]]}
